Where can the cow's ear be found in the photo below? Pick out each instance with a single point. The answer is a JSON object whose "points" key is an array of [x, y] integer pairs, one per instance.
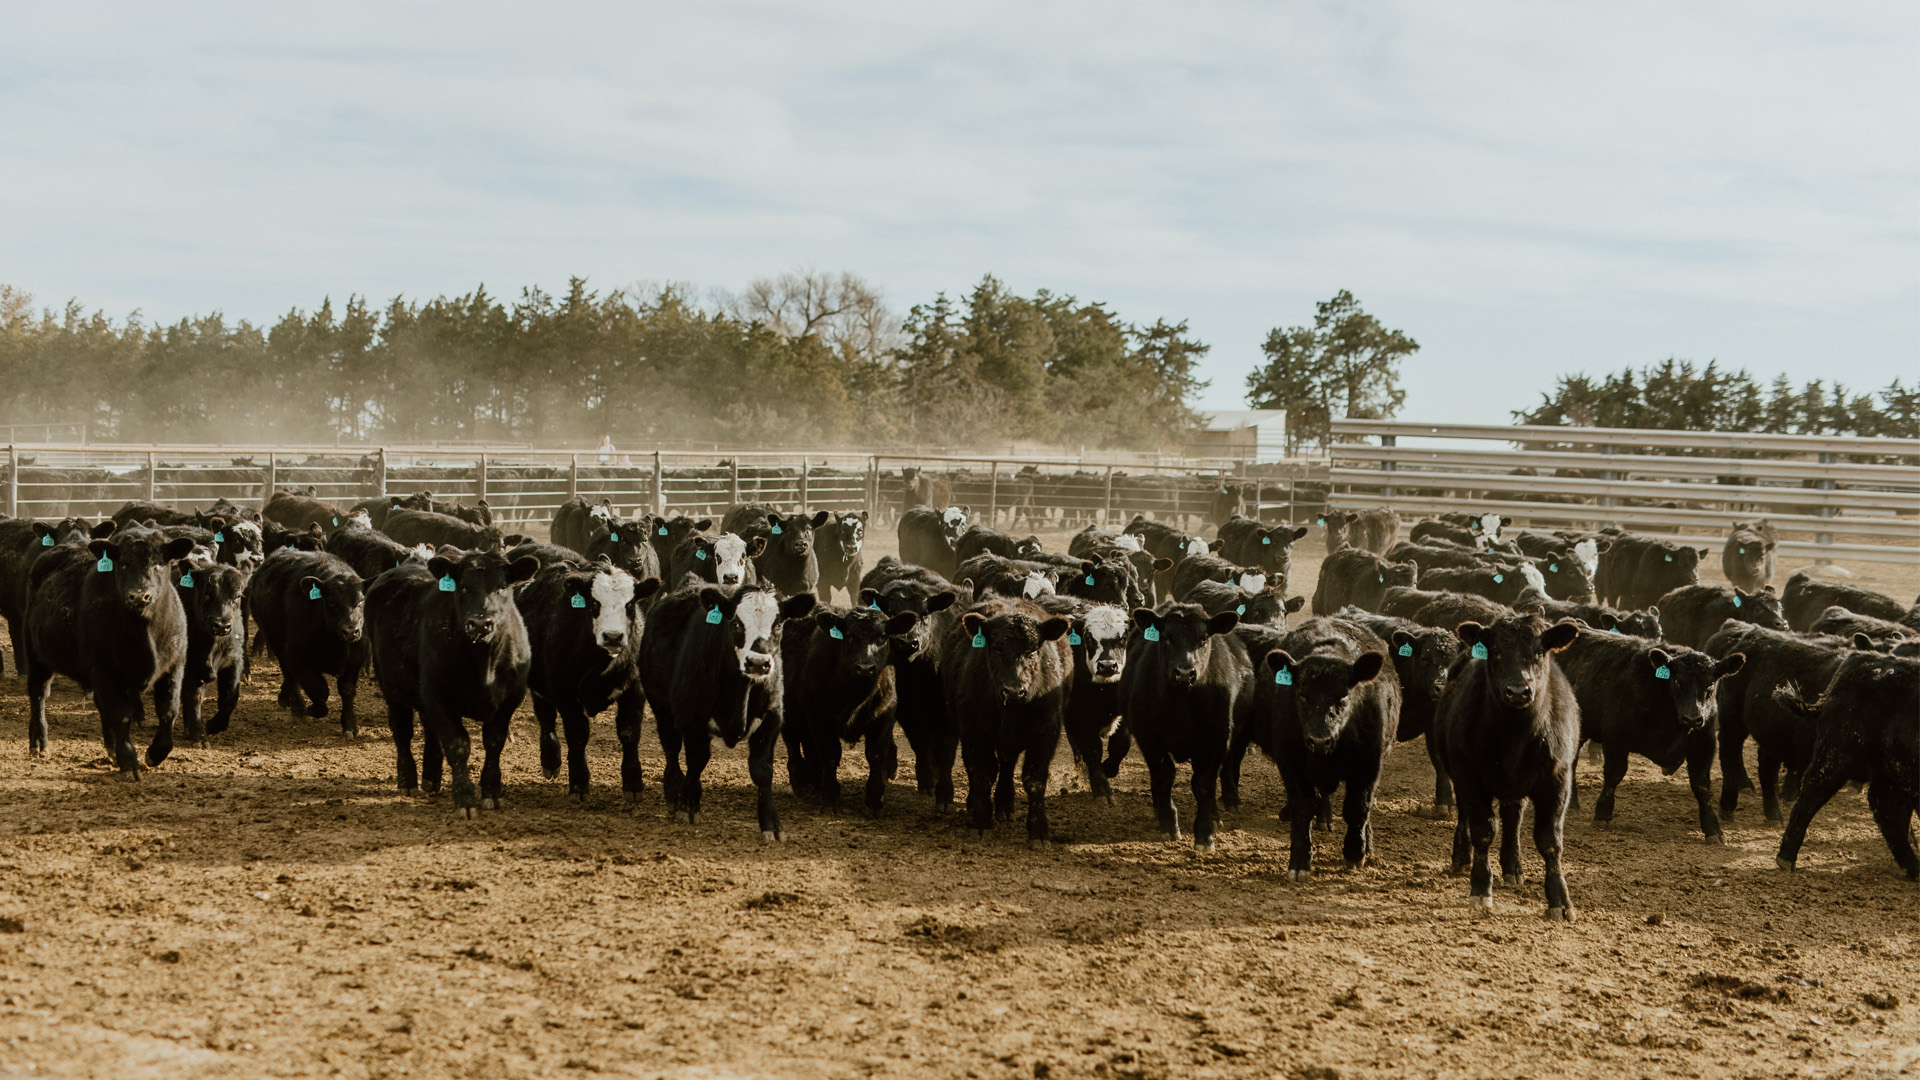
{"points": [[1861, 642], [972, 621], [820, 518], [646, 587], [1606, 621], [177, 548], [1216, 545], [1559, 636], [703, 525], [711, 597], [756, 547], [1223, 622], [1365, 668], [1730, 666], [941, 601], [862, 515], [825, 619], [1768, 589], [1055, 628], [902, 623], [1277, 661], [774, 519], [1658, 658], [1161, 566], [442, 567], [1400, 638], [1298, 533], [1088, 566], [1294, 604], [104, 547], [1505, 521], [521, 569], [1601, 547], [1143, 618], [870, 598], [1469, 632], [1702, 551], [798, 605]]}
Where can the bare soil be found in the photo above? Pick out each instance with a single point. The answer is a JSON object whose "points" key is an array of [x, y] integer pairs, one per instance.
{"points": [[270, 906]]}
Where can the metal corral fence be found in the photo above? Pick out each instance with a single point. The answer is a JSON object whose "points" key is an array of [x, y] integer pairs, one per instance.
{"points": [[1830, 498], [523, 487]]}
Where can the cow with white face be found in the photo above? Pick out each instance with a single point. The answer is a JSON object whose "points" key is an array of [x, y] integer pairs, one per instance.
{"points": [[1093, 722], [720, 558], [839, 546], [709, 665], [584, 627]]}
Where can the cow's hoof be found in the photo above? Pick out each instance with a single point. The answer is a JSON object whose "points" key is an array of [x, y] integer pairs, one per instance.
{"points": [[683, 817], [632, 797], [1774, 817], [1435, 812], [1480, 905], [1299, 875], [1107, 797], [1513, 880], [1457, 869], [1716, 838], [1355, 864], [551, 774], [1783, 863], [1203, 846], [468, 812], [1038, 843], [489, 804], [1170, 834], [579, 795], [316, 712], [771, 836], [977, 834], [1323, 826], [1561, 914], [408, 792]]}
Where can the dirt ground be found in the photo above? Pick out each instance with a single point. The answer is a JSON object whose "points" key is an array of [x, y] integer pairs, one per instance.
{"points": [[270, 906]]}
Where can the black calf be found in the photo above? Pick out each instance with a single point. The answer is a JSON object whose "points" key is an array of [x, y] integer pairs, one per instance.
{"points": [[310, 610], [1866, 733], [1008, 669]]}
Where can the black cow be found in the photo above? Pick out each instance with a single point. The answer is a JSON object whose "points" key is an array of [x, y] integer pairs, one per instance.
{"points": [[989, 573], [1268, 607], [584, 629], [412, 527], [1781, 737], [1370, 530], [890, 569], [837, 546], [216, 643], [719, 558], [371, 553], [710, 664], [1007, 670], [1636, 571], [1186, 680], [140, 512], [1163, 541], [106, 615], [1839, 622], [1502, 585], [1246, 542], [1509, 728], [840, 686], [667, 534], [22, 542], [378, 508], [549, 555], [296, 512], [1644, 624], [1867, 733], [922, 701], [1360, 578], [1806, 598], [625, 545], [310, 608], [1227, 502], [1747, 558], [786, 560], [1422, 656], [1638, 698], [1194, 569], [1094, 723], [450, 646], [927, 537], [1691, 614], [575, 520], [1327, 715], [979, 538]]}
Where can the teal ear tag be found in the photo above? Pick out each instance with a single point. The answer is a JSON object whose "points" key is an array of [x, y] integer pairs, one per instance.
{"points": [[1662, 672], [1743, 551], [1613, 629], [1406, 650], [834, 633], [1320, 521], [714, 617], [1152, 633], [1073, 637], [336, 521], [1498, 578], [979, 639], [219, 538], [663, 530], [1241, 610], [1479, 651], [186, 580], [1382, 577], [700, 553], [874, 606], [579, 601], [614, 536], [1669, 558], [314, 592], [446, 583], [1089, 579], [1736, 601], [1283, 677], [47, 540], [104, 566], [776, 530], [1553, 568]]}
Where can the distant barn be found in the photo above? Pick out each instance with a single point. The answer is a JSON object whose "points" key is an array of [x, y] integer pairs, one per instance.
{"points": [[1247, 435]]}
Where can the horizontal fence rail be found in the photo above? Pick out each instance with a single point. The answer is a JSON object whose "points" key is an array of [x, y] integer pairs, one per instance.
{"points": [[1618, 477]]}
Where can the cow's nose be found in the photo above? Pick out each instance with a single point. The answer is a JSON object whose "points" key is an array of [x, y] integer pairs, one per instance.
{"points": [[613, 639], [757, 664], [1519, 696], [1183, 676], [866, 671], [1320, 744], [139, 600], [1107, 667]]}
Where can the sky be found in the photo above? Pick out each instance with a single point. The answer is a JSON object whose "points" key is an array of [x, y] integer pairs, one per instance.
{"points": [[1526, 189]]}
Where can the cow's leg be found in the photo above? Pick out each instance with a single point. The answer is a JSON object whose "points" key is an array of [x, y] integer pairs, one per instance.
{"points": [[1893, 809], [1008, 762], [313, 683], [226, 698], [193, 727], [349, 686], [166, 710], [117, 717], [699, 752], [1733, 766], [1117, 746], [823, 758], [289, 697], [1700, 779], [433, 757], [400, 723], [1358, 814], [1824, 776], [457, 746], [1300, 793], [576, 731], [1083, 735], [493, 739], [672, 780], [547, 716], [1160, 783], [1510, 842], [882, 759], [1230, 777], [1206, 808], [1613, 771], [1549, 824], [1477, 817], [760, 769], [1442, 784], [626, 724], [39, 679], [799, 769], [983, 765], [1769, 783], [1035, 771], [946, 746]]}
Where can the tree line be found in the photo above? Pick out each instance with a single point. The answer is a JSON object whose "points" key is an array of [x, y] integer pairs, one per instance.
{"points": [[803, 359], [1679, 395]]}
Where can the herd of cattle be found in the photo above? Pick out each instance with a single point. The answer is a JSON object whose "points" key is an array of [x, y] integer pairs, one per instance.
{"points": [[1507, 652]]}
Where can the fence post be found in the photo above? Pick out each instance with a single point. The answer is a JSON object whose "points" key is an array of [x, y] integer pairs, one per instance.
{"points": [[13, 481], [659, 486], [805, 467], [1824, 511], [273, 477], [1106, 511], [380, 473], [873, 486], [993, 490], [733, 480], [573, 477], [1607, 500], [1387, 466], [483, 475], [153, 472]]}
